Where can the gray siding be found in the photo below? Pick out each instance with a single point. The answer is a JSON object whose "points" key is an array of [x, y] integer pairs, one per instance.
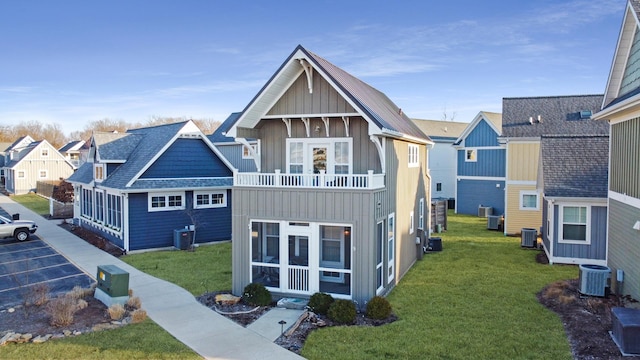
{"points": [[233, 154], [624, 246], [323, 100], [597, 250], [625, 158]]}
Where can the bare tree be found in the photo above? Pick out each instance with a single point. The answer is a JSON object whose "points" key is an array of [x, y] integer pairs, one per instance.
{"points": [[448, 116]]}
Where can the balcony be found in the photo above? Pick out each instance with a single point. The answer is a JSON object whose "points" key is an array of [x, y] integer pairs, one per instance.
{"points": [[367, 181]]}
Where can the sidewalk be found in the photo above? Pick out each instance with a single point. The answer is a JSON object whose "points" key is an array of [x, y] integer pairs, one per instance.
{"points": [[177, 311]]}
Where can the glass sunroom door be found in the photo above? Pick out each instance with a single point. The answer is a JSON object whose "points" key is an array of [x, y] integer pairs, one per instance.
{"points": [[298, 264]]}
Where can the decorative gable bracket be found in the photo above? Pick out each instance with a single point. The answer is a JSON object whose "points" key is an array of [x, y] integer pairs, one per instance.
{"points": [[308, 70]]}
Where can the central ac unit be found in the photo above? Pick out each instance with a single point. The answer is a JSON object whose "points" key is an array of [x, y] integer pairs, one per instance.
{"points": [[594, 279], [494, 222], [529, 238], [484, 211]]}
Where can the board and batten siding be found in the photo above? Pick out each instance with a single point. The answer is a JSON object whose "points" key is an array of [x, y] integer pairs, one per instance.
{"points": [[354, 208], [323, 100], [482, 135], [273, 136], [233, 153], [624, 246], [597, 250], [522, 160], [625, 158], [54, 164], [516, 219]]}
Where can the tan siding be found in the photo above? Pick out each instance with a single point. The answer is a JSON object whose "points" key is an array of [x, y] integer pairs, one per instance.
{"points": [[522, 161], [624, 247], [298, 100], [625, 158], [517, 219]]}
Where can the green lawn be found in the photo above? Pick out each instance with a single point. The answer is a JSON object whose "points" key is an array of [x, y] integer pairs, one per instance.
{"points": [[474, 300], [206, 269], [33, 202]]}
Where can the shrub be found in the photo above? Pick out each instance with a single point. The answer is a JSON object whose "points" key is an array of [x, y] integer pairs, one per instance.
{"points": [[320, 302], [77, 292], [138, 315], [61, 310], [116, 311], [342, 311], [134, 302], [81, 304], [256, 294], [378, 308], [37, 295]]}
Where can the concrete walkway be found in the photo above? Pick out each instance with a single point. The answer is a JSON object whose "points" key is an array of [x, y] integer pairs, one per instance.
{"points": [[177, 311]]}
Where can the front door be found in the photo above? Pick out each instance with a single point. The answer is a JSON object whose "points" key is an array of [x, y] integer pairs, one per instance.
{"points": [[298, 259]]}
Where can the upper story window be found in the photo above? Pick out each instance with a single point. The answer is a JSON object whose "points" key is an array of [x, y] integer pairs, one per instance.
{"points": [[529, 200], [166, 201], [471, 155], [246, 154], [98, 172], [414, 158], [210, 199], [44, 152]]}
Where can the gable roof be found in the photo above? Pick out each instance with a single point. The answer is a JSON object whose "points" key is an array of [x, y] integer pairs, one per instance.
{"points": [[494, 120], [559, 115], [574, 165], [22, 141], [438, 129], [387, 118], [31, 149], [72, 146], [136, 150], [218, 136]]}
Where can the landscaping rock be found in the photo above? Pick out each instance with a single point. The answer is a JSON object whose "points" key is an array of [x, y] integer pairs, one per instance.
{"points": [[227, 299], [41, 339]]}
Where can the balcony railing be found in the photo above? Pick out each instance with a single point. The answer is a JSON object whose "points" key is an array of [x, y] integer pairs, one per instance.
{"points": [[322, 180]]}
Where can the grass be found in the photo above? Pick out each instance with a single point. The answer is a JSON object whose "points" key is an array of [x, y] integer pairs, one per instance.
{"points": [[33, 202], [206, 269], [474, 300], [145, 340]]}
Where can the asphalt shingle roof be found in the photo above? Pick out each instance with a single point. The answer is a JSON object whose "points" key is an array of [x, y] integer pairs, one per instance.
{"points": [[441, 129], [218, 135], [575, 165], [559, 115]]}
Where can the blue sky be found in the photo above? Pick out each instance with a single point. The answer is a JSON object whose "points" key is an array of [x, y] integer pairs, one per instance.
{"points": [[71, 62]]}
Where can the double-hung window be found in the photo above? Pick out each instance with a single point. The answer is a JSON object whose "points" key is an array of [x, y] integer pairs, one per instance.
{"points": [[296, 157], [573, 225]]}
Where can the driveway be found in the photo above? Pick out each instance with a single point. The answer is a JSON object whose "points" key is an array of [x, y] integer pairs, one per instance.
{"points": [[23, 264]]}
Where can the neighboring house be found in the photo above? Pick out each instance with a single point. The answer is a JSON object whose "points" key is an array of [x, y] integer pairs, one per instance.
{"points": [[621, 107], [237, 154], [572, 180], [341, 190], [480, 179], [442, 157], [524, 121], [28, 161], [71, 152], [138, 187], [3, 150]]}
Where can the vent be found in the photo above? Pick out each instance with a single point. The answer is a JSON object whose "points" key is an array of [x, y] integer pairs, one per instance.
{"points": [[484, 211], [585, 114], [494, 222], [594, 279], [528, 238]]}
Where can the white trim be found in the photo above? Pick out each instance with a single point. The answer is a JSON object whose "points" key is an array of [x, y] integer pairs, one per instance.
{"points": [[587, 224], [21, 174], [391, 258], [522, 182], [103, 168], [411, 222], [46, 174], [329, 143], [166, 206], [210, 199], [381, 242], [474, 157], [628, 200], [529, 192], [413, 151], [253, 145], [421, 214]]}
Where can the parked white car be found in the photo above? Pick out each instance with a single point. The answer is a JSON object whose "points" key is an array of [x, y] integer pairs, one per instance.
{"points": [[21, 230]]}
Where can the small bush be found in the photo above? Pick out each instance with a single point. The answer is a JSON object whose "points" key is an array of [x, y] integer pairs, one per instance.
{"points": [[81, 304], [61, 310], [256, 294], [130, 292], [378, 308], [77, 292], [138, 315], [342, 311], [134, 302], [320, 302], [37, 295], [116, 311]]}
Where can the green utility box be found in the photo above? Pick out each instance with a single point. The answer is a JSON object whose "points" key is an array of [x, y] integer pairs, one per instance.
{"points": [[113, 280]]}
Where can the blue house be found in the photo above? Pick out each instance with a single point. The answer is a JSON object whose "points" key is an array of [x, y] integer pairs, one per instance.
{"points": [[572, 178], [481, 166], [138, 187]]}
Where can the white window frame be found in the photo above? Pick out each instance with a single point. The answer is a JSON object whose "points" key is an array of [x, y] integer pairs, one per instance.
{"points": [[99, 169], [411, 222], [40, 174], [21, 174], [166, 207], [524, 193], [44, 152], [246, 154], [421, 214], [307, 143], [211, 195], [391, 247], [587, 224], [474, 155], [380, 243], [413, 155]]}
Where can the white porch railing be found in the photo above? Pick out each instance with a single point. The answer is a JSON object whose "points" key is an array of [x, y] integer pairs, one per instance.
{"points": [[322, 180]]}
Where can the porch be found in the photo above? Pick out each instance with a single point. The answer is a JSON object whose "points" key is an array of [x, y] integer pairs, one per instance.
{"points": [[369, 181]]}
